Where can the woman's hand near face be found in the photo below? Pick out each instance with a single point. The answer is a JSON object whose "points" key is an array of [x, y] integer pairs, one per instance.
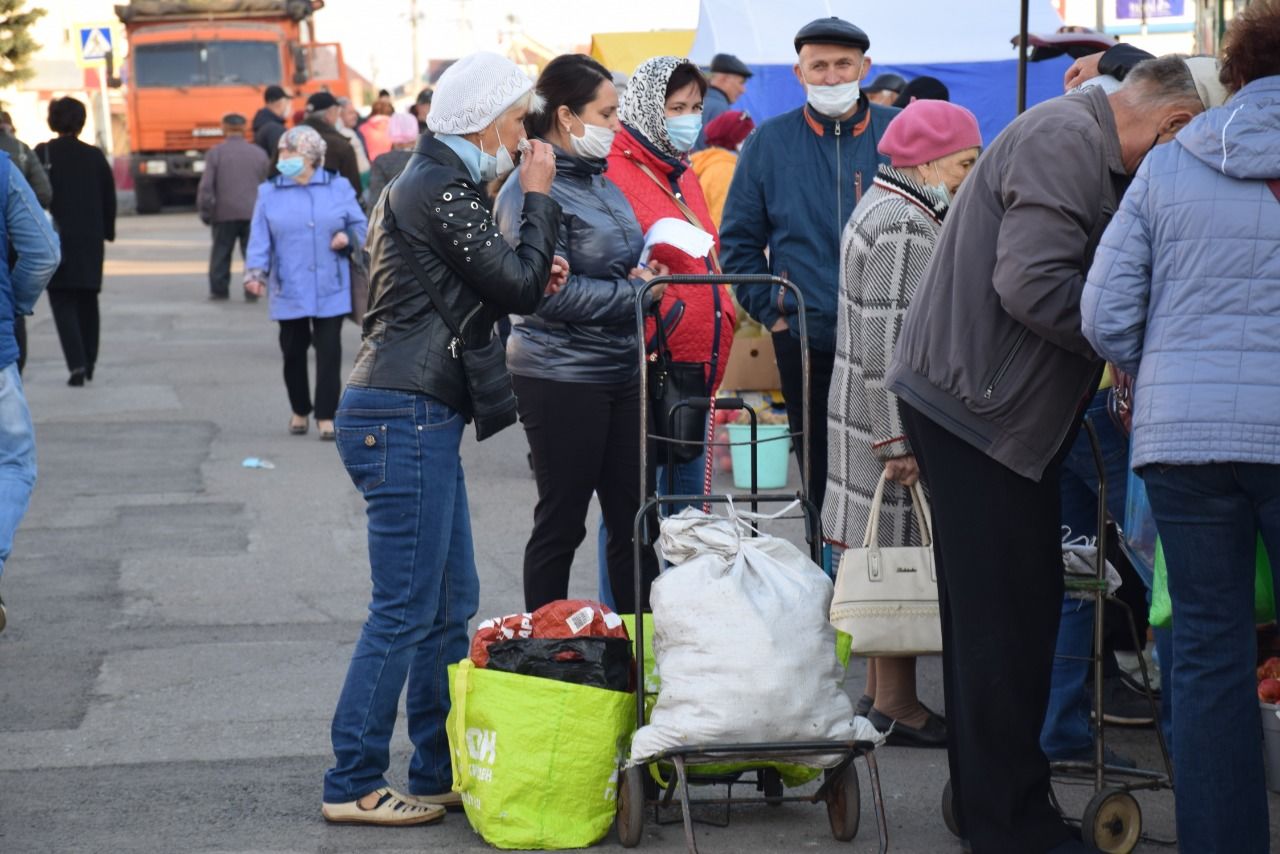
{"points": [[340, 241], [538, 168]]}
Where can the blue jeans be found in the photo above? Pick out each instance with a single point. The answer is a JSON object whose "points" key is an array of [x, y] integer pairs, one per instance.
{"points": [[17, 458], [1066, 725], [1209, 518], [401, 451], [689, 480]]}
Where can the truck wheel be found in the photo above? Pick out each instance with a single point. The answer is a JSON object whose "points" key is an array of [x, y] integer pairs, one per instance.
{"points": [[147, 195]]}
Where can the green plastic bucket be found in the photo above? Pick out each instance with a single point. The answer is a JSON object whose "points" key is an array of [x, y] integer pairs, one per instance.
{"points": [[772, 455]]}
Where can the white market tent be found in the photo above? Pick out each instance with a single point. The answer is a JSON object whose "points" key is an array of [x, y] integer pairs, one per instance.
{"points": [[964, 43]]}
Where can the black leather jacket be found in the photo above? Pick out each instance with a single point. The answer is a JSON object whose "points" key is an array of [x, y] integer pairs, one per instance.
{"points": [[586, 332], [442, 214]]}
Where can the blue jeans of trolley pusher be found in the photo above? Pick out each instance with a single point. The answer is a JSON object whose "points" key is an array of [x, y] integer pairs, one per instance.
{"points": [[1067, 729]]}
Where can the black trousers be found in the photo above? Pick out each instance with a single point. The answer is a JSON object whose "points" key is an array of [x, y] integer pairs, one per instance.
{"points": [[786, 349], [584, 437], [296, 338], [225, 235], [20, 335], [999, 556], [75, 315]]}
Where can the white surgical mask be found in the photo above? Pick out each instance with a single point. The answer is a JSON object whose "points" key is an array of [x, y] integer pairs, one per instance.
{"points": [[940, 190], [833, 101], [594, 143], [493, 167]]}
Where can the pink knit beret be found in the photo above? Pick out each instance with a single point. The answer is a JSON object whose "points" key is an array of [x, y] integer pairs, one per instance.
{"points": [[927, 130]]}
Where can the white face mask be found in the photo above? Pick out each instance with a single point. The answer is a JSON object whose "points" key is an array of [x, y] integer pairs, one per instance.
{"points": [[594, 143], [940, 189], [833, 101], [496, 166]]}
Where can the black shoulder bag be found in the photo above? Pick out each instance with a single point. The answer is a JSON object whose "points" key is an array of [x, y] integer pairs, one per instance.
{"points": [[493, 405], [670, 383]]}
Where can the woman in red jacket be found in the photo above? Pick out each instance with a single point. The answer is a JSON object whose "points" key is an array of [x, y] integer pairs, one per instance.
{"points": [[661, 116]]}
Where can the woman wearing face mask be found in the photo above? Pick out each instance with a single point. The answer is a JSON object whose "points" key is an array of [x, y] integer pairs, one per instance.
{"points": [[401, 419], [573, 360], [885, 250], [305, 224], [661, 117]]}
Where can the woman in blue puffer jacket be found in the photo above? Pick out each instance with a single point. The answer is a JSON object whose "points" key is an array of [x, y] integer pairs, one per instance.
{"points": [[1185, 294], [306, 223]]}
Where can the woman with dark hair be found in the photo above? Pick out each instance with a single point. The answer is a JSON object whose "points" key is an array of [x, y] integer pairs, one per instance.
{"points": [[661, 117], [84, 208], [1184, 294], [573, 360]]}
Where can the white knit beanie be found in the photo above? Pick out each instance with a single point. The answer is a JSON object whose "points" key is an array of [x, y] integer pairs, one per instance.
{"points": [[475, 91]]}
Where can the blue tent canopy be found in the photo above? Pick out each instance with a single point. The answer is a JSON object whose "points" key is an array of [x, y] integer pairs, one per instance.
{"points": [[966, 45]]}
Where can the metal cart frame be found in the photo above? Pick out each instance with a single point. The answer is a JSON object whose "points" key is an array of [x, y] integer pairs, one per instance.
{"points": [[637, 790]]}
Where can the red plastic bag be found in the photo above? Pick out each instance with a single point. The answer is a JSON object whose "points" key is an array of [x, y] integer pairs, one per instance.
{"points": [[490, 632], [575, 618]]}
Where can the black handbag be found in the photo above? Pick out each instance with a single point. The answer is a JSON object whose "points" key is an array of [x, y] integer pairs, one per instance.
{"points": [[493, 403], [670, 382]]}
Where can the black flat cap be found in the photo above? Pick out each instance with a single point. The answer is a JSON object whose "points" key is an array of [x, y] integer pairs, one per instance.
{"points": [[234, 120], [320, 101], [887, 83], [273, 93], [727, 63], [923, 89], [832, 31]]}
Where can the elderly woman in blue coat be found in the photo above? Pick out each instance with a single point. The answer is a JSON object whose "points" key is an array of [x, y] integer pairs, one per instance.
{"points": [[1184, 293], [306, 223]]}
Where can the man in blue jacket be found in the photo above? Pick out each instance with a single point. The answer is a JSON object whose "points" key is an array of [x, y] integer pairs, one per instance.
{"points": [[25, 228], [797, 182]]}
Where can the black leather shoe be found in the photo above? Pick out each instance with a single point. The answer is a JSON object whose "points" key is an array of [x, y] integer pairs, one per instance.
{"points": [[897, 734]]}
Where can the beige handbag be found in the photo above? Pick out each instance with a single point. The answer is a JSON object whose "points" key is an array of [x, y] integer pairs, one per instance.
{"points": [[886, 599]]}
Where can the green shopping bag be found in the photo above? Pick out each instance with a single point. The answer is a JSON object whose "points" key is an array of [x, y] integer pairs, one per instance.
{"points": [[1264, 597], [536, 760]]}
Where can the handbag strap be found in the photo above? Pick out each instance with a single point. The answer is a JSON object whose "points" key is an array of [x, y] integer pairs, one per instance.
{"points": [[420, 273], [871, 538], [684, 209]]}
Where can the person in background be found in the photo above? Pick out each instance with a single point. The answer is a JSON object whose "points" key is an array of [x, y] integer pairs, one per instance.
{"points": [[27, 238], [268, 122], [84, 210], [725, 85], [991, 372], [305, 224], [373, 130], [884, 252], [1184, 294], [885, 89], [796, 184], [714, 164], [233, 169], [402, 133], [29, 165], [322, 116], [348, 125], [401, 421], [573, 361], [923, 88], [661, 117], [421, 108]]}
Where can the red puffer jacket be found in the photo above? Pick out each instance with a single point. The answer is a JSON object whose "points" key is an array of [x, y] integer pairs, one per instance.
{"points": [[695, 337]]}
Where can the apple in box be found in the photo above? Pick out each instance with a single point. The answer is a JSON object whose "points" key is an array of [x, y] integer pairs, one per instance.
{"points": [[1269, 690], [1269, 669]]}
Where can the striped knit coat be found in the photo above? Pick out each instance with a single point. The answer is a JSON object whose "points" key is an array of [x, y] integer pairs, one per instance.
{"points": [[884, 252]]}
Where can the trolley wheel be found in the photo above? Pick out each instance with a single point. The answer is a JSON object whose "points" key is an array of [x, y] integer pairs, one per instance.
{"points": [[631, 804], [1112, 822], [949, 810], [771, 785], [844, 805]]}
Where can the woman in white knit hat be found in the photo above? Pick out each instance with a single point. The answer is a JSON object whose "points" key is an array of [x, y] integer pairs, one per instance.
{"points": [[401, 420]]}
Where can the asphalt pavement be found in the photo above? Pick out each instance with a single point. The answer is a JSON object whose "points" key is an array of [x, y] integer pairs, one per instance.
{"points": [[179, 625]]}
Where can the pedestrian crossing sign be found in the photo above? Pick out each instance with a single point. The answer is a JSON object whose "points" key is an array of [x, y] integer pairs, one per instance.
{"points": [[94, 44]]}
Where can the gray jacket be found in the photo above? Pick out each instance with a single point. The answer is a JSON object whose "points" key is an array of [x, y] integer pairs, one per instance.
{"points": [[991, 348], [586, 332], [229, 186], [30, 167]]}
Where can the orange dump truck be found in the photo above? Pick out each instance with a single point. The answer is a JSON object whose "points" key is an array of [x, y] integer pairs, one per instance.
{"points": [[193, 61]]}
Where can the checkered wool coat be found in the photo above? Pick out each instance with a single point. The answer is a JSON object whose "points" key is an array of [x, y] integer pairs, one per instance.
{"points": [[884, 252]]}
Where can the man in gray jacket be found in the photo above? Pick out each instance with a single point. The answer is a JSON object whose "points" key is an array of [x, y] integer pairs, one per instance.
{"points": [[992, 371], [226, 196]]}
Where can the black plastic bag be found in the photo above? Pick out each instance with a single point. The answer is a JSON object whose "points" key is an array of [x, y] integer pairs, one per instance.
{"points": [[594, 661]]}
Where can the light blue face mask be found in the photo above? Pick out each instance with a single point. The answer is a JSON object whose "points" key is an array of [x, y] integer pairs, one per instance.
{"points": [[291, 167], [683, 130]]}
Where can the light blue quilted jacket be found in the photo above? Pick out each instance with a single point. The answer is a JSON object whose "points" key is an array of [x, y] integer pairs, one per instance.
{"points": [[1184, 291]]}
